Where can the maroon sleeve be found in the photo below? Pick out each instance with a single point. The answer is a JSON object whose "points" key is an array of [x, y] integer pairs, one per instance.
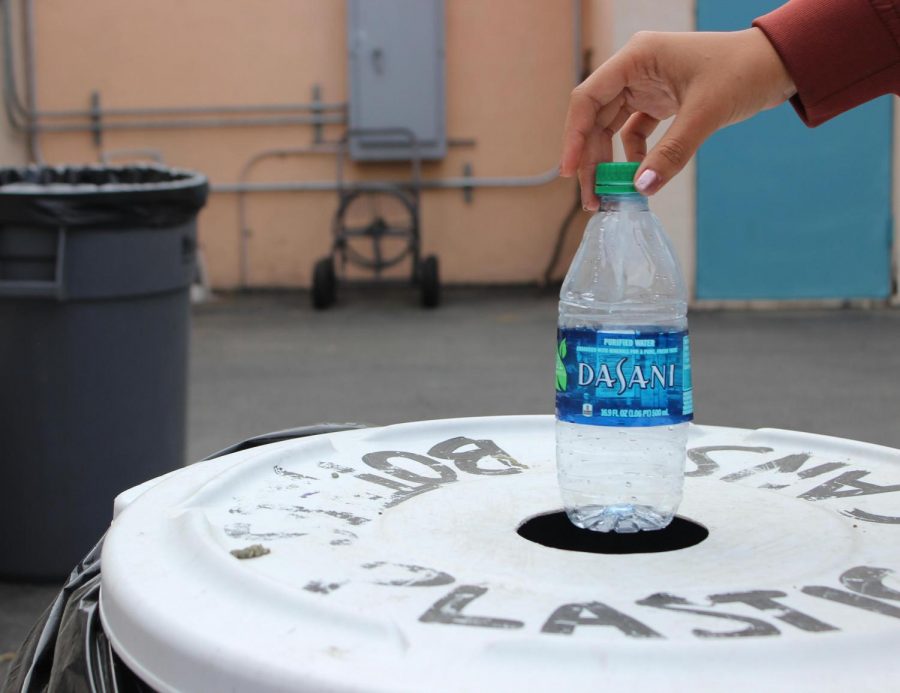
{"points": [[840, 53]]}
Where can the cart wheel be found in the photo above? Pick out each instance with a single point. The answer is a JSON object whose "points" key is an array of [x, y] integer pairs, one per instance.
{"points": [[324, 284], [430, 280]]}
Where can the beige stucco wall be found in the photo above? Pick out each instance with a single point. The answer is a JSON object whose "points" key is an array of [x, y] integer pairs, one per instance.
{"points": [[509, 72], [676, 204]]}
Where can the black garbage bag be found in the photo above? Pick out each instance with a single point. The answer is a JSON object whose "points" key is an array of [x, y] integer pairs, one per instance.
{"points": [[67, 649], [145, 196]]}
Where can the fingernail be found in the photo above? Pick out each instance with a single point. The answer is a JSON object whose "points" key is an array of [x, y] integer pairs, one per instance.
{"points": [[646, 180]]}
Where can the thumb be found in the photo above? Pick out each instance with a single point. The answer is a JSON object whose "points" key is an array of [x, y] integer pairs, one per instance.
{"points": [[689, 130]]}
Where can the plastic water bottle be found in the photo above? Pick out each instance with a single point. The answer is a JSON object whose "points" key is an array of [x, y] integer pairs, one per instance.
{"points": [[623, 373]]}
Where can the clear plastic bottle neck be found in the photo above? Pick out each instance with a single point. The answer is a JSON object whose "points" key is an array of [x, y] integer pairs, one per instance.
{"points": [[632, 202]]}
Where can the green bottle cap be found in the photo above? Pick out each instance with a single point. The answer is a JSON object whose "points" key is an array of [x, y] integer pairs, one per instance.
{"points": [[615, 178]]}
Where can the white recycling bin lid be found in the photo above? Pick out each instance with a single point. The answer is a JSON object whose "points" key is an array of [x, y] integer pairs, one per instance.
{"points": [[394, 564]]}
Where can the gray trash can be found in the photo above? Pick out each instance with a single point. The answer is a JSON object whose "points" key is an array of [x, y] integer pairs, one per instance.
{"points": [[96, 265]]}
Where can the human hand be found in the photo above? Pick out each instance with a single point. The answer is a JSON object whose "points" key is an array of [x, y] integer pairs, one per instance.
{"points": [[707, 80]]}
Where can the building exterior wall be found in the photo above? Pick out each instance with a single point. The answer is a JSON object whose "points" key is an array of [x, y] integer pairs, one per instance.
{"points": [[509, 72]]}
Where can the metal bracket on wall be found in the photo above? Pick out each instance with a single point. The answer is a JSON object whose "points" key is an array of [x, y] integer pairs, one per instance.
{"points": [[316, 113], [468, 190], [96, 120]]}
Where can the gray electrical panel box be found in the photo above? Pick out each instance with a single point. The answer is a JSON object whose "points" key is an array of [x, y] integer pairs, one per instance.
{"points": [[396, 62]]}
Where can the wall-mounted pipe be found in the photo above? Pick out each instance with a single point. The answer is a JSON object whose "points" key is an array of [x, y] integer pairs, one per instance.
{"points": [[187, 124], [16, 113], [31, 83], [201, 110], [243, 227], [426, 184]]}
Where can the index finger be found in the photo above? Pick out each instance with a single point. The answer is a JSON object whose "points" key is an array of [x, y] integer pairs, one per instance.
{"points": [[588, 98]]}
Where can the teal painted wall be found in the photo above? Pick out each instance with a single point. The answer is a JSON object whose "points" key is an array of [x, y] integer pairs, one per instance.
{"points": [[789, 212]]}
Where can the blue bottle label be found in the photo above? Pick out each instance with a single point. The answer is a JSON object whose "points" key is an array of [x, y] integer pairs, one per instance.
{"points": [[623, 378]]}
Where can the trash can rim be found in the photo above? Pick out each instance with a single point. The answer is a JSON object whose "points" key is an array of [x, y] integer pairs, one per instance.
{"points": [[179, 178], [348, 557]]}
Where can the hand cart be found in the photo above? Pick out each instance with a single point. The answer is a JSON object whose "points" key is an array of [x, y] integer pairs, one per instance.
{"points": [[376, 226]]}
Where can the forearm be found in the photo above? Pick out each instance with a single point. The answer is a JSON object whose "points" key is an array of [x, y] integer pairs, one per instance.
{"points": [[840, 53]]}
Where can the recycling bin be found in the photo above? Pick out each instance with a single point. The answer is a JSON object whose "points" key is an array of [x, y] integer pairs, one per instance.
{"points": [[434, 556], [96, 265]]}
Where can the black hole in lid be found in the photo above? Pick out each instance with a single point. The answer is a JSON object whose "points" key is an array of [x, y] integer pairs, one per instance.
{"points": [[556, 531]]}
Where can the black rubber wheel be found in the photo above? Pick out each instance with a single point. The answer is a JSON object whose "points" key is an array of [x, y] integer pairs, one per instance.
{"points": [[324, 284], [430, 282]]}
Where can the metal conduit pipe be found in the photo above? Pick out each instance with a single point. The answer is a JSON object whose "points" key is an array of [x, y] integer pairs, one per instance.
{"points": [[31, 83], [9, 59], [200, 110], [10, 98], [426, 184], [19, 116], [243, 228], [12, 103], [197, 123]]}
